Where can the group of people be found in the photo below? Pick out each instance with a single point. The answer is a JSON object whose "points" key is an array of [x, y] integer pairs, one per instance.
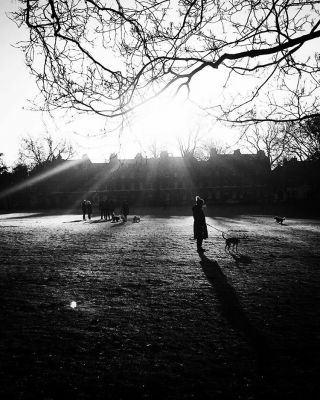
{"points": [[107, 209]]}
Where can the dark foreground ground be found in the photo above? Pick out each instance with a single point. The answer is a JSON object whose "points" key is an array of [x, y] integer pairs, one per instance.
{"points": [[153, 320]]}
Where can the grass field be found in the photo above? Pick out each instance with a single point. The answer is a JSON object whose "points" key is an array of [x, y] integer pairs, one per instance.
{"points": [[96, 310]]}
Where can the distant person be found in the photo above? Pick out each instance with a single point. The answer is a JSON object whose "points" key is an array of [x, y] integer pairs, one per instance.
{"points": [[200, 230], [84, 209], [112, 207], [104, 209], [107, 211], [89, 208], [101, 208], [125, 210]]}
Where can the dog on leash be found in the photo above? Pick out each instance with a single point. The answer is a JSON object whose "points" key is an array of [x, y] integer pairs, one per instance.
{"points": [[136, 218], [231, 242], [279, 220], [115, 218]]}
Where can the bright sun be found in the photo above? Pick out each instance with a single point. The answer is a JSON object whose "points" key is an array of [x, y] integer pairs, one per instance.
{"points": [[163, 122]]}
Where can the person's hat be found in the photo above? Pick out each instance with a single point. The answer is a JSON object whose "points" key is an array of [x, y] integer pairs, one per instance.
{"points": [[199, 200]]}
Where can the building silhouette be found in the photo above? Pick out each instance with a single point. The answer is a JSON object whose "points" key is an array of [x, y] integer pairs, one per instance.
{"points": [[162, 181]]}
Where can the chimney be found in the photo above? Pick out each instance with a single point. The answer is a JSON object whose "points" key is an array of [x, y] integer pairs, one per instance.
{"points": [[164, 154], [113, 159], [213, 152]]}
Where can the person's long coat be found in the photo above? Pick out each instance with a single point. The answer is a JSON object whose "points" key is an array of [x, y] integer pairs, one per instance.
{"points": [[200, 230]]}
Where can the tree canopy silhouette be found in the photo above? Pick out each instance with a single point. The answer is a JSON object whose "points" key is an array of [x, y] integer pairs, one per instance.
{"points": [[107, 57]]}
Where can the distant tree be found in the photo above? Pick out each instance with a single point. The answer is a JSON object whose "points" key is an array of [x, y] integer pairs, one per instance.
{"points": [[283, 141], [42, 151], [205, 148], [105, 57], [189, 144], [194, 145], [273, 139], [154, 149], [3, 167], [4, 176]]}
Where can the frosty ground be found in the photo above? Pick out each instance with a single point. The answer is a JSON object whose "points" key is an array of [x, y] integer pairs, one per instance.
{"points": [[152, 319]]}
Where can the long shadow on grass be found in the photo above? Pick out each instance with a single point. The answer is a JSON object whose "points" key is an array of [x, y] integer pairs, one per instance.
{"points": [[234, 313], [117, 224]]}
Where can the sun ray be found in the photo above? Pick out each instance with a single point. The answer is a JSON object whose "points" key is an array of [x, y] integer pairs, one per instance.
{"points": [[36, 179]]}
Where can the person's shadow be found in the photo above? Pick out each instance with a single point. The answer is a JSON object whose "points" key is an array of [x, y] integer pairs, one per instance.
{"points": [[117, 224], [234, 313]]}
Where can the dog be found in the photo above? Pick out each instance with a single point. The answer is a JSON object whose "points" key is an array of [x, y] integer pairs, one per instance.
{"points": [[232, 241], [279, 220], [115, 218], [136, 218]]}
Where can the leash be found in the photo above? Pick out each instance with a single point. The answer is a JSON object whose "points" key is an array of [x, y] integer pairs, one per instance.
{"points": [[219, 230]]}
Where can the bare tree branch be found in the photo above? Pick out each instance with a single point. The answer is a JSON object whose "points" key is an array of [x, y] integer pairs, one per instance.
{"points": [[108, 57]]}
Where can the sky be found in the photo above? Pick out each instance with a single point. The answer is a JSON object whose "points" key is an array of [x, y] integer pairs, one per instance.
{"points": [[162, 122]]}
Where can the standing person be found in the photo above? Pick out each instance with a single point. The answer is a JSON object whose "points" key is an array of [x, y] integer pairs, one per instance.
{"points": [[101, 208], [89, 208], [200, 230], [125, 210], [104, 209], [84, 208], [107, 207], [112, 207]]}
